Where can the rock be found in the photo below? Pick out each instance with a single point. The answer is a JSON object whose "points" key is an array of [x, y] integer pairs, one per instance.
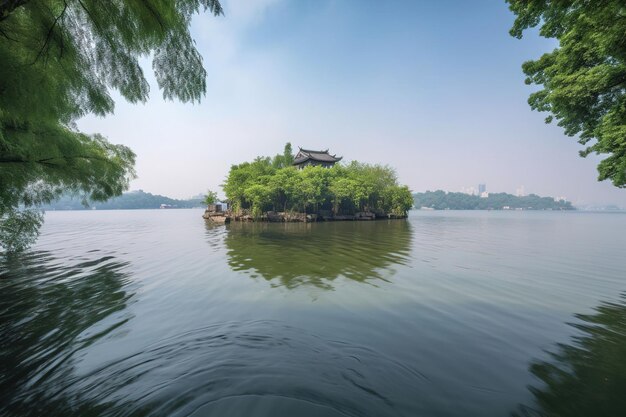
{"points": [[343, 217], [365, 215], [274, 217], [217, 216]]}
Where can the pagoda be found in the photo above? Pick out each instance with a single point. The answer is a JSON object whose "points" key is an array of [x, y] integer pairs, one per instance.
{"points": [[306, 157]]}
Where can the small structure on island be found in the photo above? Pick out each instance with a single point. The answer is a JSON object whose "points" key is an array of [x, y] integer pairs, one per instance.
{"points": [[217, 212], [306, 157], [217, 207]]}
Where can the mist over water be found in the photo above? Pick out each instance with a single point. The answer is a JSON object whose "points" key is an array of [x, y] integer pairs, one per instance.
{"points": [[133, 313]]}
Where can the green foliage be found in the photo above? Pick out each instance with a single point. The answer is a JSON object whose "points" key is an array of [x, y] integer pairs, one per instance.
{"points": [[19, 229], [313, 188], [34, 171], [211, 197], [60, 61], [259, 196], [398, 199], [284, 160], [440, 200], [342, 189], [284, 187], [288, 154], [243, 176], [61, 57], [263, 185], [584, 79]]}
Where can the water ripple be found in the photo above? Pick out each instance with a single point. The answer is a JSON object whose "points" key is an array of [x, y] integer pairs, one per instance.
{"points": [[47, 308], [250, 368]]}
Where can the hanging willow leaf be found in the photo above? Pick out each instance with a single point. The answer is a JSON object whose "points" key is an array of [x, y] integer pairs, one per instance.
{"points": [[61, 59]]}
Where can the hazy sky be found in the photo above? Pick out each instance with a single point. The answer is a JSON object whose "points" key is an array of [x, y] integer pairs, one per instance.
{"points": [[432, 88]]}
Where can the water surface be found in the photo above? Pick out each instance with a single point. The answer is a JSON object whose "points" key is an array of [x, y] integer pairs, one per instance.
{"points": [[133, 313]]}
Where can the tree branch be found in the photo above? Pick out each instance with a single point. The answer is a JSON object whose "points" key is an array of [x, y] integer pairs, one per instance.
{"points": [[153, 13], [3, 33], [8, 6], [46, 161], [49, 36]]}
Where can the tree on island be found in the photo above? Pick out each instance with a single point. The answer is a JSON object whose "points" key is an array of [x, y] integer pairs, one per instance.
{"points": [[284, 160], [60, 61], [210, 198], [584, 79], [262, 185]]}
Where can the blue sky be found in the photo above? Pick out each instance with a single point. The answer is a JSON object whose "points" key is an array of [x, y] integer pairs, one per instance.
{"points": [[434, 89]]}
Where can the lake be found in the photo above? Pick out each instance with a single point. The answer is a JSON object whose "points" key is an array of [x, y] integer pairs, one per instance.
{"points": [[136, 313]]}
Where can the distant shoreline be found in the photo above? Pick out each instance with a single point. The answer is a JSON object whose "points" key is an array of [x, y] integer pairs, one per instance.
{"points": [[134, 200], [124, 208], [496, 209], [443, 200]]}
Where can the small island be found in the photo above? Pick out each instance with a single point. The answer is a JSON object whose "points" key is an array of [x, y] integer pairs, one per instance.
{"points": [[310, 186]]}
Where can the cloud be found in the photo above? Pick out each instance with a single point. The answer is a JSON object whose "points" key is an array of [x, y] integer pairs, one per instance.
{"points": [[220, 39]]}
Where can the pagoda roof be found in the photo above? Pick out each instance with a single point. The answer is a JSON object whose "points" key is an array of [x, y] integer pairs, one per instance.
{"points": [[320, 156]]}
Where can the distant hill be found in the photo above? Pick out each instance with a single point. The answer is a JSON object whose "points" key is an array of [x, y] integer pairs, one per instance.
{"points": [[441, 200], [128, 201]]}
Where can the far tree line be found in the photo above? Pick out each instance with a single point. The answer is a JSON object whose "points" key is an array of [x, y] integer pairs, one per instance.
{"points": [[441, 200], [128, 201]]}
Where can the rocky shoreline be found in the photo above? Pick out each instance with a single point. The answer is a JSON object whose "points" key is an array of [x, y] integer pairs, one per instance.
{"points": [[292, 217]]}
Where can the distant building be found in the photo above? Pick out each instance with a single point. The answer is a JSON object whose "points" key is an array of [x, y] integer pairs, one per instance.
{"points": [[306, 157], [484, 194], [470, 190], [482, 188], [520, 192]]}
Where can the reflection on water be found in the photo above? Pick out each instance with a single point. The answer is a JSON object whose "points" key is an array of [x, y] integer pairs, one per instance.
{"points": [[294, 254], [49, 312], [588, 376]]}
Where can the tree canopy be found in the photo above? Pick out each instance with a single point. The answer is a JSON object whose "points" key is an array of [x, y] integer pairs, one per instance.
{"points": [[61, 60], [584, 78], [210, 198]]}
